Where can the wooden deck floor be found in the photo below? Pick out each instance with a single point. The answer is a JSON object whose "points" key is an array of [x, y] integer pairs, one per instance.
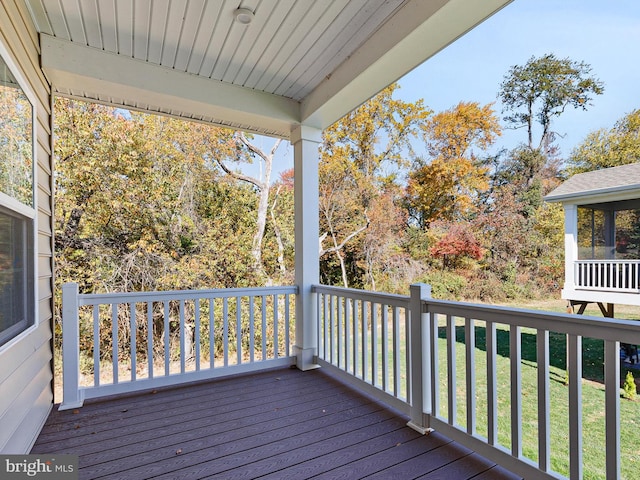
{"points": [[277, 424]]}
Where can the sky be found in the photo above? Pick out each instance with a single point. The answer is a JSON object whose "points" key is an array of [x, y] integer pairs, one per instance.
{"points": [[602, 33]]}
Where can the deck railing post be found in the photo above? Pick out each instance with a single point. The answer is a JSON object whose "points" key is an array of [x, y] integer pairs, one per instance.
{"points": [[420, 359], [72, 397]]}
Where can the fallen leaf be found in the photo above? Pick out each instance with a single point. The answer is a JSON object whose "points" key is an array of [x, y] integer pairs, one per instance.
{"points": [[76, 411], [77, 427]]}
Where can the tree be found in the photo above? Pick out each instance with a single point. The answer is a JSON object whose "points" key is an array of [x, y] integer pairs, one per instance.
{"points": [[456, 243], [16, 158], [608, 148], [342, 215], [247, 150], [281, 212], [455, 132], [542, 89], [514, 221], [135, 199], [447, 185], [141, 204], [354, 154], [381, 241]]}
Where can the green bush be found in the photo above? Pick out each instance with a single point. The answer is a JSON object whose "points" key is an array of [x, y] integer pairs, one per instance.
{"points": [[485, 286], [445, 285], [629, 387]]}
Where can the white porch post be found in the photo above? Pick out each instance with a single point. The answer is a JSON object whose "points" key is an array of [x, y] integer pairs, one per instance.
{"points": [[306, 141], [570, 243], [609, 234], [71, 395], [420, 370]]}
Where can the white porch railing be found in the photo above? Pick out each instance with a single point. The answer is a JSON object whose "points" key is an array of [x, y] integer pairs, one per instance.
{"points": [[234, 330], [392, 346], [423, 356], [607, 275], [364, 336]]}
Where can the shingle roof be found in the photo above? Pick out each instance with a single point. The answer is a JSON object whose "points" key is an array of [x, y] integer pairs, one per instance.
{"points": [[598, 182]]}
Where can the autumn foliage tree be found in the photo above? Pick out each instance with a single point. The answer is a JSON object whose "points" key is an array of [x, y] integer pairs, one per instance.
{"points": [[606, 148], [246, 151], [140, 207], [354, 156], [16, 159], [446, 184], [147, 202], [515, 222], [457, 243]]}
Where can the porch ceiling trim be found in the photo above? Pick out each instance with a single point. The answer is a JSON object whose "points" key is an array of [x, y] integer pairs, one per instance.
{"points": [[417, 32], [414, 32], [72, 67]]}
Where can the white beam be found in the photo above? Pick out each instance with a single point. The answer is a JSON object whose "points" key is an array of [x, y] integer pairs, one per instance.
{"points": [[306, 158], [85, 69], [417, 32]]}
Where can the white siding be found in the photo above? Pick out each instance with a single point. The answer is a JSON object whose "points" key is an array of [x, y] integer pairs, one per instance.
{"points": [[25, 366]]}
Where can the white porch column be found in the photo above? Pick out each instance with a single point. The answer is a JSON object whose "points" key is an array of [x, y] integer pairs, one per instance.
{"points": [[609, 234], [306, 141], [570, 243]]}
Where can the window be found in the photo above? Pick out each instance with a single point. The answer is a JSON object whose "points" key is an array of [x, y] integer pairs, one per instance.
{"points": [[17, 213], [16, 275]]}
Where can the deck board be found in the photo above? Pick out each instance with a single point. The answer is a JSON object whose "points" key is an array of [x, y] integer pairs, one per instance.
{"points": [[278, 424]]}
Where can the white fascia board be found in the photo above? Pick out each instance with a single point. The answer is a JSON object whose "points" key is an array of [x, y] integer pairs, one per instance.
{"points": [[620, 298], [605, 195], [87, 69], [417, 32]]}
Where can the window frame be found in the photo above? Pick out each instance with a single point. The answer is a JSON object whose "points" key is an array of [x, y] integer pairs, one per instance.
{"points": [[26, 212]]}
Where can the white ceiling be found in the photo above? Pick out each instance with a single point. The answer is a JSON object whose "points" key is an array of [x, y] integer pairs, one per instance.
{"points": [[299, 61]]}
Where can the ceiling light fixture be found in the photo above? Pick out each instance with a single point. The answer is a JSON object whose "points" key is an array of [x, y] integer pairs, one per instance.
{"points": [[243, 16]]}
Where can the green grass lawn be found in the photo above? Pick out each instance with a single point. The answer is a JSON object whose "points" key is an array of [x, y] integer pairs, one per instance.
{"points": [[592, 391], [593, 401]]}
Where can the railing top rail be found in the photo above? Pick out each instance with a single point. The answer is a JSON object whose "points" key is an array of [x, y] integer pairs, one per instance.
{"points": [[611, 260], [593, 327], [365, 295], [160, 296]]}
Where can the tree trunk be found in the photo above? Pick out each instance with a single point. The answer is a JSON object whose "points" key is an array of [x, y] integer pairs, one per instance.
{"points": [[278, 234], [263, 185]]}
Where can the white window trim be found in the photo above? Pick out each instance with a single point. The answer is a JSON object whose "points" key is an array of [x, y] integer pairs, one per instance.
{"points": [[18, 207]]}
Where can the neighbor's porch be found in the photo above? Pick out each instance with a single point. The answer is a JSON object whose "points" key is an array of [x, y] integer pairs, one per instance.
{"points": [[602, 255], [464, 370]]}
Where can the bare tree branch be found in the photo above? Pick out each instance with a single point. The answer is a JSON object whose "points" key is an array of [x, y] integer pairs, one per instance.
{"points": [[346, 240], [239, 176]]}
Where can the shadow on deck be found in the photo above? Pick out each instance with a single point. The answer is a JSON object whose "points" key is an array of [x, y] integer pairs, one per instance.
{"points": [[275, 424]]}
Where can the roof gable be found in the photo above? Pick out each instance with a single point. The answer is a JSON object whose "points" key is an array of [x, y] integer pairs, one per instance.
{"points": [[598, 186]]}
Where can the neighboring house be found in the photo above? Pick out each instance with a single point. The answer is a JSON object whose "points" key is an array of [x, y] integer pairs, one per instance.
{"points": [[602, 244], [285, 69]]}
